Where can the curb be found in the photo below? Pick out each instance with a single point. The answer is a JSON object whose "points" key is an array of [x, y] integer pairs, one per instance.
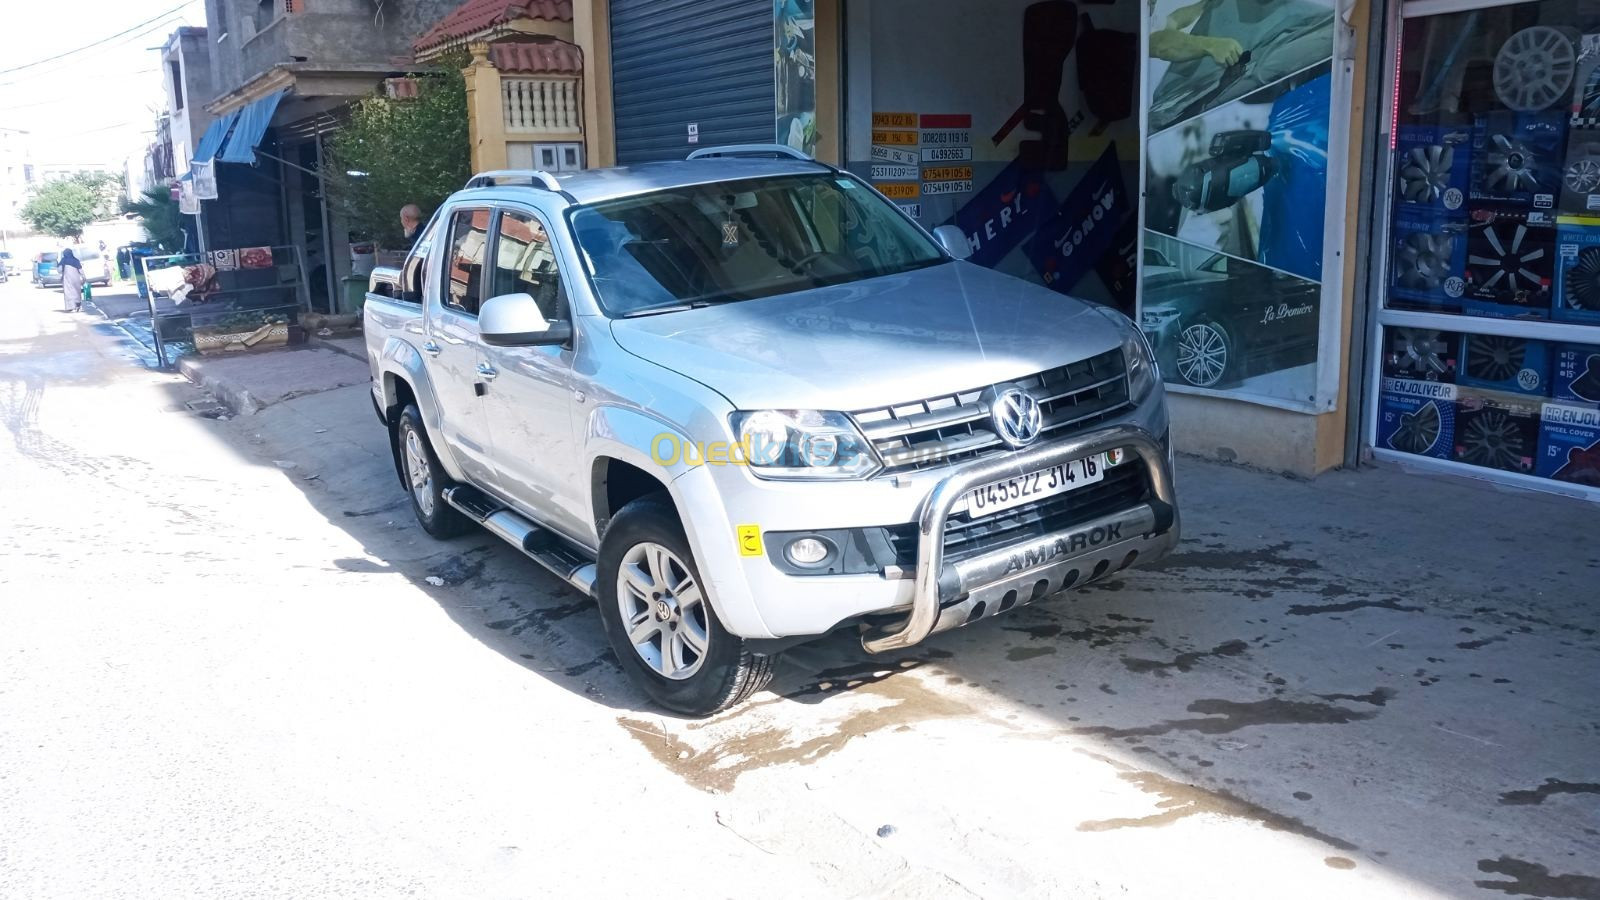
{"points": [[238, 400]]}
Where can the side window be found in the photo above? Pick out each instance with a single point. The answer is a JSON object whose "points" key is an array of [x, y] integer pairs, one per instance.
{"points": [[469, 232], [411, 276], [525, 263]]}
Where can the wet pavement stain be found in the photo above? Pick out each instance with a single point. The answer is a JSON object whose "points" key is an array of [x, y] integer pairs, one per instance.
{"points": [[539, 619], [1179, 801], [1474, 645], [1237, 560], [1018, 654], [1376, 696], [1094, 635], [1533, 880], [1339, 862], [718, 767], [1228, 716], [1544, 791], [1392, 603], [1183, 662], [457, 570]]}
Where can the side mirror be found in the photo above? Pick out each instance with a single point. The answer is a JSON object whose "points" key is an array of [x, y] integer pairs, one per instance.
{"points": [[953, 240], [384, 281], [515, 320]]}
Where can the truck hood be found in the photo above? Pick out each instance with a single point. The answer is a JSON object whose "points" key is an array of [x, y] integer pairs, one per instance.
{"points": [[895, 339]]}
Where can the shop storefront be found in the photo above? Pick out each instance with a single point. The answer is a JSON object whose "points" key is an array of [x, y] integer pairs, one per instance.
{"points": [[1485, 355], [1352, 231]]}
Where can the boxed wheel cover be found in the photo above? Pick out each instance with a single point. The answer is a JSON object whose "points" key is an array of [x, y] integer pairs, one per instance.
{"points": [[1417, 417], [1576, 297], [1577, 374], [1497, 362], [1510, 262], [1496, 430], [1569, 443], [1428, 268], [1517, 156], [1433, 168], [1420, 354]]}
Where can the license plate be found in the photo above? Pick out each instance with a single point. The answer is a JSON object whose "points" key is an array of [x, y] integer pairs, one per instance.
{"points": [[1022, 489]]}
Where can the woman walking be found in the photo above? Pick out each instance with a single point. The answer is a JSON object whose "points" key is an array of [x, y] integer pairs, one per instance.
{"points": [[71, 281]]}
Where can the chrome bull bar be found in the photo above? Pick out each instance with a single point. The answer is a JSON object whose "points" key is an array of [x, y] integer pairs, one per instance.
{"points": [[994, 568]]}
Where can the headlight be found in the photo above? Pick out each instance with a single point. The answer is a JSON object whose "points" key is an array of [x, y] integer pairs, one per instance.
{"points": [[1143, 373], [796, 444]]}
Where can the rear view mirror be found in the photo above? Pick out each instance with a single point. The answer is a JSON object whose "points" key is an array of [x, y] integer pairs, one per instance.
{"points": [[953, 240], [515, 320]]}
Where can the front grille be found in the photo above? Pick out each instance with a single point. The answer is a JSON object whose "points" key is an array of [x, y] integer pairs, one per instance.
{"points": [[951, 428], [1123, 486]]}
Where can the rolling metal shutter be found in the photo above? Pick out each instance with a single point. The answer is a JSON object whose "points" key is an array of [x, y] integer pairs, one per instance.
{"points": [[674, 62]]}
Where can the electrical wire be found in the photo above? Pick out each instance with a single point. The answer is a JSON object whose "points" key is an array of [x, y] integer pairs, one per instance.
{"points": [[180, 7], [71, 64]]}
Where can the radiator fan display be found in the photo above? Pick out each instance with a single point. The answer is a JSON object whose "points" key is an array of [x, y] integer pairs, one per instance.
{"points": [[1518, 259], [1492, 438], [1581, 283], [1425, 172], [1419, 353], [1511, 165], [1423, 262], [1534, 68], [1418, 431], [1493, 358]]}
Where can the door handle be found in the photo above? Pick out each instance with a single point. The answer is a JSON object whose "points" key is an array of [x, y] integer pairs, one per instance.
{"points": [[487, 372], [430, 348]]}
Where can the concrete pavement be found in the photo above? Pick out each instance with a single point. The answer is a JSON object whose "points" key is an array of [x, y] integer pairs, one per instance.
{"points": [[224, 671]]}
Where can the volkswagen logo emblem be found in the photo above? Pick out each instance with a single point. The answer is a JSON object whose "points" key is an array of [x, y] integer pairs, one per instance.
{"points": [[1016, 416]]}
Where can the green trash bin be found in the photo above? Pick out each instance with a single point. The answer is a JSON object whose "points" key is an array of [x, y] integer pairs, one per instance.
{"points": [[352, 293]]}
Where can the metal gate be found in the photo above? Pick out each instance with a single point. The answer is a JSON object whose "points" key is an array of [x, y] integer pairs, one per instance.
{"points": [[682, 63]]}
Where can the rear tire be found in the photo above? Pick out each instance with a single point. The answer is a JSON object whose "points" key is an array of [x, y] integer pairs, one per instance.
{"points": [[425, 480], [660, 622]]}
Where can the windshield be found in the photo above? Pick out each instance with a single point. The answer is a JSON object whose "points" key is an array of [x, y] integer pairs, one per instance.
{"points": [[721, 243]]}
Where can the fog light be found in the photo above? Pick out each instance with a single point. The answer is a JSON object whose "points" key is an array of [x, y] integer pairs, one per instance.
{"points": [[808, 551]]}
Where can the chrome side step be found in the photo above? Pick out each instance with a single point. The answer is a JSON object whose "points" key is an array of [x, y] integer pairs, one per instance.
{"points": [[538, 543]]}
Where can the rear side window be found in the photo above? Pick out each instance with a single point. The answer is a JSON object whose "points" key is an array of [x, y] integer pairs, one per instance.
{"points": [[469, 235]]}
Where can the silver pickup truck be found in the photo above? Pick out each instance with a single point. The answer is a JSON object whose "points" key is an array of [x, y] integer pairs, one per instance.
{"points": [[743, 402]]}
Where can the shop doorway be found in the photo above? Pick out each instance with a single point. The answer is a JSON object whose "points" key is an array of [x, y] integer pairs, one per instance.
{"points": [[1017, 121]]}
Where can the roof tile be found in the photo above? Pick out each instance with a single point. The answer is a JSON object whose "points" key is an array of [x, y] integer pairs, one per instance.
{"points": [[474, 16], [552, 57]]}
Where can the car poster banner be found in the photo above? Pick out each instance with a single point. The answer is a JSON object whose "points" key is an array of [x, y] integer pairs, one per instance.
{"points": [[795, 46], [1236, 195]]}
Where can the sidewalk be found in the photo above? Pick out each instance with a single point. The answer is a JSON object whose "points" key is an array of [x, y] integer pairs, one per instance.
{"points": [[246, 383]]}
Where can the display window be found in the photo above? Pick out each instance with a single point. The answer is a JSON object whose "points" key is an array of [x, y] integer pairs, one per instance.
{"points": [[1488, 334]]}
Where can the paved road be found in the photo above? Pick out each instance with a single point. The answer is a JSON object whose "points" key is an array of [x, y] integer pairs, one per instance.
{"points": [[224, 673]]}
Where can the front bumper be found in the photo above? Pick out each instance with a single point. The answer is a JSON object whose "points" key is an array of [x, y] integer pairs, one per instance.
{"points": [[950, 595]]}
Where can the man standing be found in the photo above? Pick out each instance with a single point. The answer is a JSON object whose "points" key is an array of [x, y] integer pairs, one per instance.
{"points": [[411, 221]]}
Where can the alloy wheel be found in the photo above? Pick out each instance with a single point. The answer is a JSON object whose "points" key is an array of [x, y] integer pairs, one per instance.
{"points": [[418, 472], [1202, 355], [663, 611]]}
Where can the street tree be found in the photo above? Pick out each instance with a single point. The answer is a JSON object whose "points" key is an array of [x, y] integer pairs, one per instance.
{"points": [[63, 208], [159, 215], [396, 151]]}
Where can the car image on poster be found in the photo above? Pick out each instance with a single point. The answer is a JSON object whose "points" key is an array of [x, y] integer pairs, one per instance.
{"points": [[1236, 187]]}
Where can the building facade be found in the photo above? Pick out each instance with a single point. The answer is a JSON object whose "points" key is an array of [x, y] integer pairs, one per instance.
{"points": [[1338, 261], [285, 72], [17, 177]]}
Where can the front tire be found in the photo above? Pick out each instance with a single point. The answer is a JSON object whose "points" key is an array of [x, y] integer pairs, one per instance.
{"points": [[660, 622], [424, 478]]}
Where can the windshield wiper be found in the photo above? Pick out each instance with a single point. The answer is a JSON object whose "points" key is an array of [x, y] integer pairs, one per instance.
{"points": [[676, 307]]}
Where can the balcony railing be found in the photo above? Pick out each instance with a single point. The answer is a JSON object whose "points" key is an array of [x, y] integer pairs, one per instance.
{"points": [[543, 105]]}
